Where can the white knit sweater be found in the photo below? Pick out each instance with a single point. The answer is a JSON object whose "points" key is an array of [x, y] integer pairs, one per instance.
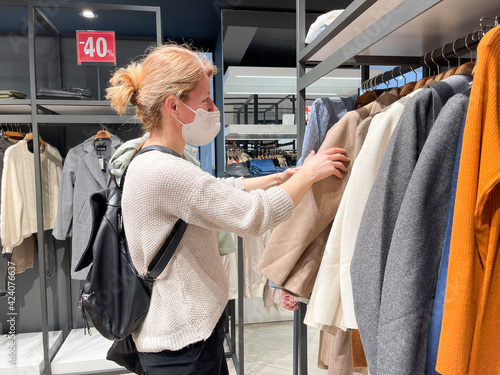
{"points": [[190, 295], [18, 208]]}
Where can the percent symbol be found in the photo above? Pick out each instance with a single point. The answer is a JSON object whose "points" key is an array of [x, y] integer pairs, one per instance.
{"points": [[110, 53]]}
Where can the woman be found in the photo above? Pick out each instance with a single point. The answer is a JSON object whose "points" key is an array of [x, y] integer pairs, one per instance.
{"points": [[170, 88]]}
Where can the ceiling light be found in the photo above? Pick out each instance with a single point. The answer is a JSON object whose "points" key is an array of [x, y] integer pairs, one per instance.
{"points": [[88, 14]]}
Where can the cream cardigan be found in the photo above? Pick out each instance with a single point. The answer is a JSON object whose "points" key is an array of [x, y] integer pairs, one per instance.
{"points": [[190, 295], [18, 208], [331, 305]]}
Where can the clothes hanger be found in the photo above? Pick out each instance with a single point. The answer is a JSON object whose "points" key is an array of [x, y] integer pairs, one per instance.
{"points": [[29, 137], [13, 134], [365, 94], [408, 87], [102, 134], [468, 67], [432, 79], [424, 80], [441, 75], [453, 71]]}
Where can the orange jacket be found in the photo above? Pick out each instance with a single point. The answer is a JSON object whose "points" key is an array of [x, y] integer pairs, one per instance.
{"points": [[470, 333]]}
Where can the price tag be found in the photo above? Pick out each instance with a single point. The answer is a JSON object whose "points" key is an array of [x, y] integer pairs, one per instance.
{"points": [[96, 47]]}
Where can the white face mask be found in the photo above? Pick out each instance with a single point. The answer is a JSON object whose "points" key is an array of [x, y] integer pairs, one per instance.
{"points": [[203, 129]]}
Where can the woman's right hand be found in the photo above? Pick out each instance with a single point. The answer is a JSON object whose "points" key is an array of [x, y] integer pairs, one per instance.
{"points": [[316, 167], [326, 163]]}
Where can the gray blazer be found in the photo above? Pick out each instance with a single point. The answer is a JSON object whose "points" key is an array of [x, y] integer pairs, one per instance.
{"points": [[81, 177], [368, 266], [414, 256]]}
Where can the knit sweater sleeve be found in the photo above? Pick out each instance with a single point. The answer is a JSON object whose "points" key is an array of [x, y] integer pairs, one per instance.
{"points": [[185, 191], [233, 181]]}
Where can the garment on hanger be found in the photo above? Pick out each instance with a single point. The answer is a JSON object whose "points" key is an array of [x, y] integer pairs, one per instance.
{"points": [[325, 112], [384, 202], [22, 256], [331, 305], [335, 354], [4, 145], [85, 172], [413, 259], [4, 262], [18, 206], [437, 311], [301, 240], [470, 330], [254, 283]]}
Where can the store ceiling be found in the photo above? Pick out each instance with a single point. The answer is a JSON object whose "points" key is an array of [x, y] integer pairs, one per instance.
{"points": [[189, 20]]}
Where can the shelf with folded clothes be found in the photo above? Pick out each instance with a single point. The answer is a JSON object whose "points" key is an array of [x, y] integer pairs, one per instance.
{"points": [[57, 111]]}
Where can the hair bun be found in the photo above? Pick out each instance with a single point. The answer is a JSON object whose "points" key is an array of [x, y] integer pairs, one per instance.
{"points": [[124, 87]]}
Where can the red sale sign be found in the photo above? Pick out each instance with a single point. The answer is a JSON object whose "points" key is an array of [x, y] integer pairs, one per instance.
{"points": [[308, 110], [96, 46]]}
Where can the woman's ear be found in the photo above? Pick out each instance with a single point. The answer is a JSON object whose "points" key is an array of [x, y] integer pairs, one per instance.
{"points": [[171, 106]]}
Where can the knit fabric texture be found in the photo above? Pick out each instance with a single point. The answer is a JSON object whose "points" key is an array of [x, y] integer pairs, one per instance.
{"points": [[471, 326], [189, 296], [18, 207]]}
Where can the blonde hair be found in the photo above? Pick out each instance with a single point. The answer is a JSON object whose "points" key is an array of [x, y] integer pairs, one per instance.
{"points": [[169, 70]]}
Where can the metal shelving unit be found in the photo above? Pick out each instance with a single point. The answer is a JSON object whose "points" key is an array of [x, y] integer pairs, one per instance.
{"points": [[37, 112], [376, 32]]}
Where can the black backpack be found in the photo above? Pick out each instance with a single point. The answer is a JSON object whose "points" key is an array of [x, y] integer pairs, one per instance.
{"points": [[114, 295]]}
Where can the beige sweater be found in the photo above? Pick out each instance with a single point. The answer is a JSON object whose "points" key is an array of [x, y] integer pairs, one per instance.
{"points": [[191, 293], [18, 207]]}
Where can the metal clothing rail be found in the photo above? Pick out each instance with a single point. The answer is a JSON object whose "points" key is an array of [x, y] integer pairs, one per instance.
{"points": [[449, 54], [390, 20]]}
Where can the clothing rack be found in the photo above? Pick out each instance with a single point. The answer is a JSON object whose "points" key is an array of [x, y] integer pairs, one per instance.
{"points": [[449, 54], [37, 112], [370, 32]]}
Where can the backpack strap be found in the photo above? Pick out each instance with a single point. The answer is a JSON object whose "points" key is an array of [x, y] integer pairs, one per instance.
{"points": [[167, 251], [164, 149]]}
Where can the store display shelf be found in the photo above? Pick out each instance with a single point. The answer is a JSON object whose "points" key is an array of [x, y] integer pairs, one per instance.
{"points": [[377, 22], [15, 119], [28, 352], [85, 354], [85, 119], [257, 137], [259, 132], [80, 107], [15, 107]]}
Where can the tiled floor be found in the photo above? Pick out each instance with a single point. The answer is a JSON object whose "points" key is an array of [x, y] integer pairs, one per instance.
{"points": [[269, 349]]}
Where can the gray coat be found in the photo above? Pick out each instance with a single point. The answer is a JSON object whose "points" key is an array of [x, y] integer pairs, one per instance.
{"points": [[81, 177], [368, 265], [414, 256]]}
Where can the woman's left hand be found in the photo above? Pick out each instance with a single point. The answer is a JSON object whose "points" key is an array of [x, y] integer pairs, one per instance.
{"points": [[286, 174]]}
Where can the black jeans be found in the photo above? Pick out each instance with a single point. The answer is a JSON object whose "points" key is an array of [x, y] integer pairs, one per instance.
{"points": [[201, 358]]}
